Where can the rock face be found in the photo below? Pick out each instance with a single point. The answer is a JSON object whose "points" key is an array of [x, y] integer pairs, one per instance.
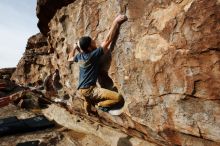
{"points": [[35, 65], [46, 9], [166, 61], [5, 73], [7, 87]]}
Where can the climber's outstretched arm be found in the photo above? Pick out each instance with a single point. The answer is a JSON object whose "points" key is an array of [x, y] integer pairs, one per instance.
{"points": [[72, 52], [112, 32]]}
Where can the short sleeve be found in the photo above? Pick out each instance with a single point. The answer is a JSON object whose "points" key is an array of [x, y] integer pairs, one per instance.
{"points": [[76, 58], [98, 52]]}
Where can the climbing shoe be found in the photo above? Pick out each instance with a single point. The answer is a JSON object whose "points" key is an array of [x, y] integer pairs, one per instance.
{"points": [[104, 109]]}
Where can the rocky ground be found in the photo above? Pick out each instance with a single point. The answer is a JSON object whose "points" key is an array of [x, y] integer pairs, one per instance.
{"points": [[77, 131], [69, 128]]}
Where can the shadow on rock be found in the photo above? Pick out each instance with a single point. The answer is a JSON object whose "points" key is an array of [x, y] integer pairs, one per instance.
{"points": [[124, 141]]}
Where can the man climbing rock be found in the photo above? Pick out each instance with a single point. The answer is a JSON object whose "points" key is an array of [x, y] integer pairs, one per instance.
{"points": [[88, 59]]}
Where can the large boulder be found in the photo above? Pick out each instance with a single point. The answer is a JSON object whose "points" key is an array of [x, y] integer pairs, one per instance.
{"points": [[46, 9], [35, 65], [166, 61]]}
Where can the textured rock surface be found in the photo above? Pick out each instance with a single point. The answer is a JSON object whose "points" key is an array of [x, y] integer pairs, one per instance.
{"points": [[63, 137], [35, 65], [46, 9], [166, 61], [102, 135], [5, 73]]}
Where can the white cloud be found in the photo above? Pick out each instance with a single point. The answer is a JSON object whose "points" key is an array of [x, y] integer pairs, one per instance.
{"points": [[18, 23]]}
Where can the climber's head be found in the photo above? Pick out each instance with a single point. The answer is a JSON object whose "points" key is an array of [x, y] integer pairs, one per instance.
{"points": [[87, 44]]}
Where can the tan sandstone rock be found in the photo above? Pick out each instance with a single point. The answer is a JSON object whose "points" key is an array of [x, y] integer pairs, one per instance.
{"points": [[166, 61]]}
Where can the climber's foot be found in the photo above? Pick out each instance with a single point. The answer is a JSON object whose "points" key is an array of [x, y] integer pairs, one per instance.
{"points": [[104, 109]]}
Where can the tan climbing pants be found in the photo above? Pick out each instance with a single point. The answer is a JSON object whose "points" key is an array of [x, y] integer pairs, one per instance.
{"points": [[103, 97]]}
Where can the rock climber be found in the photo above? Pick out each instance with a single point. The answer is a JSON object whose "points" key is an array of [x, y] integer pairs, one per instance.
{"points": [[88, 58]]}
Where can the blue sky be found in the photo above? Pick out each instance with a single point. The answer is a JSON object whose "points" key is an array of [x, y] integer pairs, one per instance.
{"points": [[18, 21]]}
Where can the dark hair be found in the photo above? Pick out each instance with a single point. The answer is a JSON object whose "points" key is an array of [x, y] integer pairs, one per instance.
{"points": [[84, 43]]}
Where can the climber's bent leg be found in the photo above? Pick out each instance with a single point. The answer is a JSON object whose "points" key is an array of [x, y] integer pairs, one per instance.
{"points": [[106, 98]]}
